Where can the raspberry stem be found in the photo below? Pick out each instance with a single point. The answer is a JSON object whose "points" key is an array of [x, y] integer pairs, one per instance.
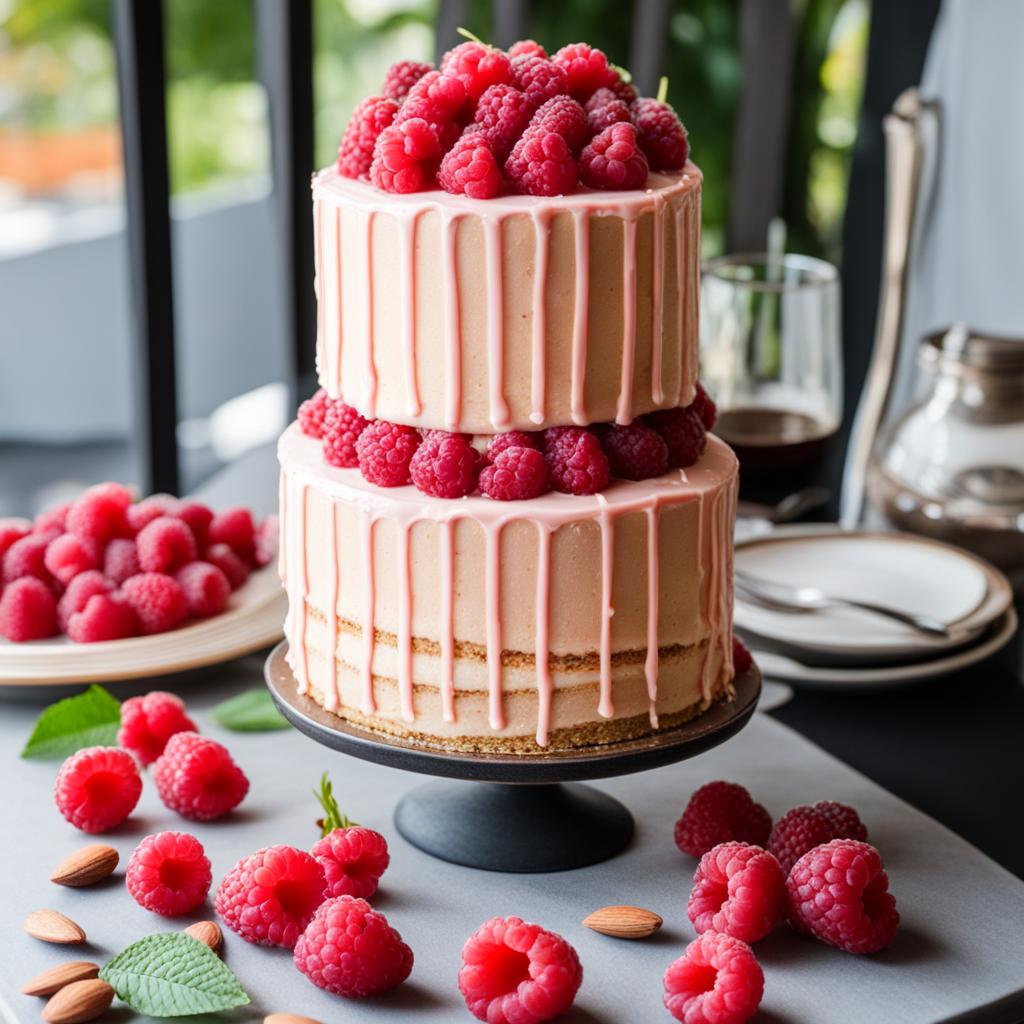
{"points": [[623, 73], [663, 88], [333, 817], [466, 34]]}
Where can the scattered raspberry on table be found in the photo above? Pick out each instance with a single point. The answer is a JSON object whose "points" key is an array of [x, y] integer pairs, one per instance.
{"points": [[717, 980], [721, 812], [169, 873], [97, 788], [198, 778], [148, 722]]}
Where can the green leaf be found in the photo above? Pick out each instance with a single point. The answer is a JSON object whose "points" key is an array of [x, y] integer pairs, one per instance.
{"points": [[333, 817], [89, 719], [173, 975], [252, 711]]}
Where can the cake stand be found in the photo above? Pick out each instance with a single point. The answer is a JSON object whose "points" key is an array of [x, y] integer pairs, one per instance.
{"points": [[557, 822]]}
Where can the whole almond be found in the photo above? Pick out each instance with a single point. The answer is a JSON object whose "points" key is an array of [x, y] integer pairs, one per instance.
{"points": [[623, 922], [79, 1002], [208, 933], [56, 978], [288, 1018], [53, 926], [86, 866]]}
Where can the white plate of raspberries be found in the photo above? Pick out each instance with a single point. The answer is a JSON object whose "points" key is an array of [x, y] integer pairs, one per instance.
{"points": [[107, 588]]}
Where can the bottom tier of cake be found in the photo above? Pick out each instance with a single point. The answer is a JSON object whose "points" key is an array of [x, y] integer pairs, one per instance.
{"points": [[479, 625]]}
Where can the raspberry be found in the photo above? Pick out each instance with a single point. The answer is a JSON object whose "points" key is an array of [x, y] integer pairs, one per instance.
{"points": [[348, 948], [268, 535], [622, 90], [148, 722], [27, 557], [683, 433], [844, 820], [604, 115], [541, 164], [104, 617], [220, 555], [100, 513], [717, 980], [234, 527], [576, 463], [635, 452], [169, 873], [704, 407], [405, 157], [469, 168], [28, 610], [517, 972], [165, 545], [353, 859], [502, 115], [80, 589], [721, 812], [385, 451], [587, 69], [516, 474], [198, 778], [68, 555], [157, 600], [206, 589], [97, 788], [839, 893], [197, 517], [796, 832], [741, 657], [738, 889], [477, 67], [401, 77], [565, 116], [270, 896], [539, 78], [311, 414], [437, 99], [54, 519], [341, 429], [142, 513], [661, 134], [368, 120], [444, 466], [527, 48], [511, 439], [612, 159], [12, 530], [121, 560]]}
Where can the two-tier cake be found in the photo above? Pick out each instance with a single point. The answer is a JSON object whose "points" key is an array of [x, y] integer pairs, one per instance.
{"points": [[503, 527]]}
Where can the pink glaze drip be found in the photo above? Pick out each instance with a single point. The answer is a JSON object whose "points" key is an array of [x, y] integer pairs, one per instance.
{"points": [[331, 694], [580, 320], [545, 684], [652, 662], [405, 623], [657, 300], [624, 415], [407, 229], [370, 404], [542, 245], [447, 630], [495, 323], [337, 305], [492, 584], [369, 704], [605, 706], [452, 325], [682, 269]]}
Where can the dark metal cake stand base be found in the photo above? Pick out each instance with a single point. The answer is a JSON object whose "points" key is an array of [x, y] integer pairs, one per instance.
{"points": [[557, 824]]}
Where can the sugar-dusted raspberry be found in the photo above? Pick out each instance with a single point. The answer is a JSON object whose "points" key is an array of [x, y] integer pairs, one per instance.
{"points": [[270, 896], [562, 114], [576, 463], [717, 980], [843, 819], [721, 812], [148, 722], [67, 555], [604, 115], [28, 610], [513, 439], [683, 433], [385, 451], [353, 859], [234, 527], [703, 405], [341, 429], [268, 536], [198, 778], [839, 893], [612, 159], [144, 512], [121, 560], [368, 120], [157, 600], [527, 48], [516, 474], [635, 452], [541, 164], [470, 168], [445, 466], [312, 413], [402, 76], [513, 971], [77, 595], [12, 530], [97, 788], [101, 512], [741, 656], [661, 134], [234, 568], [405, 157], [478, 67], [540, 79], [197, 517], [437, 99], [797, 831], [587, 69], [104, 617], [502, 115], [27, 557], [169, 873], [52, 520], [349, 949], [738, 889], [165, 544], [206, 589]]}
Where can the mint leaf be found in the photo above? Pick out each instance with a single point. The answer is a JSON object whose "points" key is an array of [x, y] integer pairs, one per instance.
{"points": [[89, 719], [173, 975], [334, 817], [252, 711]]}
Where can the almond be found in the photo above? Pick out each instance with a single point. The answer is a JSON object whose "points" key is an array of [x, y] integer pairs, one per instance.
{"points": [[624, 922], [79, 1002], [288, 1018], [208, 933], [86, 866], [53, 926], [56, 978]]}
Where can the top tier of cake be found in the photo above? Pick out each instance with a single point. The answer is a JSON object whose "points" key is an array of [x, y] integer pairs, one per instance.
{"points": [[515, 313]]}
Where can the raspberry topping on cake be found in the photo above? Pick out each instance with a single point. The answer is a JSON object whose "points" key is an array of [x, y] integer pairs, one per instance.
{"points": [[470, 168], [635, 452], [402, 76], [717, 980], [563, 115], [541, 164], [312, 413], [604, 114], [539, 78], [341, 429], [721, 812], [516, 474], [385, 451], [437, 99], [741, 657], [704, 407], [612, 160], [661, 134], [406, 156], [512, 439], [587, 69], [369, 119], [683, 433], [477, 66], [444, 466], [502, 114], [576, 462], [527, 48]]}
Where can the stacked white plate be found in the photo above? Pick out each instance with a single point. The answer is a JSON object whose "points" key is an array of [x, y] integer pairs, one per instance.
{"points": [[845, 648]]}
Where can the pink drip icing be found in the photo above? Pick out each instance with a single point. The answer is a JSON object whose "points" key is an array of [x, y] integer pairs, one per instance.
{"points": [[690, 338], [705, 577], [370, 409], [331, 647], [545, 685], [453, 326], [447, 630], [682, 269], [369, 703], [407, 227], [542, 245], [405, 623], [581, 313], [492, 583], [657, 299], [318, 287], [605, 706], [337, 265], [651, 664], [624, 414], [499, 411]]}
